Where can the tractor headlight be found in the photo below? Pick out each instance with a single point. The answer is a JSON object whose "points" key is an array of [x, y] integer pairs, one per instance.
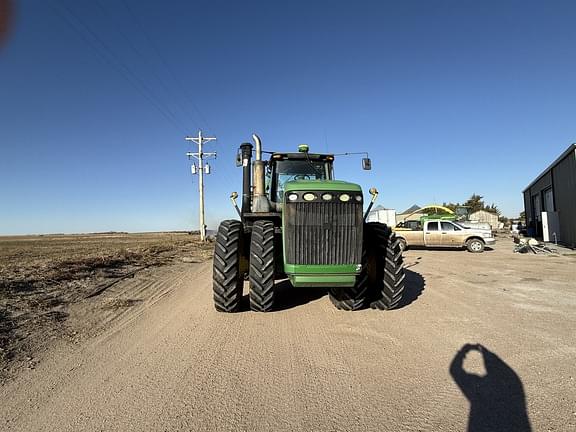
{"points": [[327, 197], [344, 197], [358, 198], [292, 197], [309, 196]]}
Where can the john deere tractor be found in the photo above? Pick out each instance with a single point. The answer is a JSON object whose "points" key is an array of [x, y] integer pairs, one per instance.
{"points": [[298, 222]]}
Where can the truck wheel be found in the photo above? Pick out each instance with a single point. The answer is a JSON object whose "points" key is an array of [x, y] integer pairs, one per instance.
{"points": [[261, 272], [402, 244], [227, 281], [385, 266], [351, 298], [475, 245]]}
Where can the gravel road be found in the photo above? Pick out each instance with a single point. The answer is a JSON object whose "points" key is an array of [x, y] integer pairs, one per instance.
{"points": [[173, 363]]}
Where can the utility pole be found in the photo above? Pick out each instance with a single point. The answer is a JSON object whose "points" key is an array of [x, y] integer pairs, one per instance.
{"points": [[202, 169]]}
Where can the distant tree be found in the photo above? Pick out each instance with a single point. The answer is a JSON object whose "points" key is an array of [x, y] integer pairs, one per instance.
{"points": [[475, 203], [451, 205], [523, 215], [493, 209]]}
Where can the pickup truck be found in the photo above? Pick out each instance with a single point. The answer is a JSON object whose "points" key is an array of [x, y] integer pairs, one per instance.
{"points": [[442, 233]]}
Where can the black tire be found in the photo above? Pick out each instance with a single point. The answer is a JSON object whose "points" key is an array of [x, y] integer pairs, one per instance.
{"points": [[385, 266], [351, 298], [475, 245], [261, 274], [227, 282], [355, 297]]}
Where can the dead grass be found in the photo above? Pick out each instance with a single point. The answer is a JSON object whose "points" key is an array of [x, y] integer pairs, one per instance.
{"points": [[41, 276]]}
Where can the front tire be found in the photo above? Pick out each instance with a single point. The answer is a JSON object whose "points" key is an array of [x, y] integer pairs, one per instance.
{"points": [[227, 282], [386, 268], [261, 272], [351, 298], [475, 245]]}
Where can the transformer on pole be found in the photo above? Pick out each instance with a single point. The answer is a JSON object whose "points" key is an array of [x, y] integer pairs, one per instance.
{"points": [[201, 170]]}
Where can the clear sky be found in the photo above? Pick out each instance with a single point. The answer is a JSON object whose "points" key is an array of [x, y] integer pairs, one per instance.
{"points": [[448, 97]]}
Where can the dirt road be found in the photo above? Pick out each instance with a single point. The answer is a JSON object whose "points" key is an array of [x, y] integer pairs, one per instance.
{"points": [[172, 363]]}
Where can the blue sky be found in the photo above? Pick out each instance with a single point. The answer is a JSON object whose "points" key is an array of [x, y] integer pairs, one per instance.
{"points": [[448, 97]]}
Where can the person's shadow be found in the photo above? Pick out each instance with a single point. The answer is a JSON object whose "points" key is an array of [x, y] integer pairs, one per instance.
{"points": [[497, 401]]}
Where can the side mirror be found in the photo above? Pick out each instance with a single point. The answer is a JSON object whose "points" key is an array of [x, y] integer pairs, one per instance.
{"points": [[366, 164], [238, 159]]}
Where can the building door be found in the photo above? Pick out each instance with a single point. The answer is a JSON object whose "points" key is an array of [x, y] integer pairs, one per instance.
{"points": [[537, 206], [548, 200]]}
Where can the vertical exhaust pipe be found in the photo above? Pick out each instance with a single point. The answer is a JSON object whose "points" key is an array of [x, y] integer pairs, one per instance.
{"points": [[246, 154], [260, 203]]}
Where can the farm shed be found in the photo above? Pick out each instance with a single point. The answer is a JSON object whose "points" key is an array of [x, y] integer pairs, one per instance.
{"points": [[550, 201], [485, 217]]}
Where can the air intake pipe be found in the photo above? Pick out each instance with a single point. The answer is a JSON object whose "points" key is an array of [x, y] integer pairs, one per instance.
{"points": [[246, 155], [260, 203]]}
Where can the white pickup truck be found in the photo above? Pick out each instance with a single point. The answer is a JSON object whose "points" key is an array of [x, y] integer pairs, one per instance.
{"points": [[438, 233]]}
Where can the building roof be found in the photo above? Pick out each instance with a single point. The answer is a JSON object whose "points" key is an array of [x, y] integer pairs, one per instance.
{"points": [[484, 211], [571, 148], [412, 209]]}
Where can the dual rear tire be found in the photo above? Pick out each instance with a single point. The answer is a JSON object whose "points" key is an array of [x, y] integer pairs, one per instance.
{"points": [[381, 282], [228, 274]]}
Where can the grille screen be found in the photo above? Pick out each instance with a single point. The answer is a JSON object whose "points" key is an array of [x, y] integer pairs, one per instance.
{"points": [[323, 232]]}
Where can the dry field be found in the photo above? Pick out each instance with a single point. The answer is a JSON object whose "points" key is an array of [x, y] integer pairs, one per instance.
{"points": [[43, 277]]}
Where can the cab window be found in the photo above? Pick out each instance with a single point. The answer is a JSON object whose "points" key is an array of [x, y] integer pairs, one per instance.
{"points": [[447, 226], [432, 226], [290, 170]]}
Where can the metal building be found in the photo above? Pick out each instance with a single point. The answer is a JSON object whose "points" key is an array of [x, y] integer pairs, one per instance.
{"points": [[550, 201]]}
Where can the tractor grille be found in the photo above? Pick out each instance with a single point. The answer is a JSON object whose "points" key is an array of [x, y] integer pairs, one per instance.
{"points": [[323, 232]]}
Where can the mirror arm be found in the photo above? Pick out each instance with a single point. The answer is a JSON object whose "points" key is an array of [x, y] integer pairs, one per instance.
{"points": [[374, 192]]}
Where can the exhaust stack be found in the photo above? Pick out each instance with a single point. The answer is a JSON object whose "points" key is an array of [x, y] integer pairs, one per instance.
{"points": [[246, 155], [260, 203]]}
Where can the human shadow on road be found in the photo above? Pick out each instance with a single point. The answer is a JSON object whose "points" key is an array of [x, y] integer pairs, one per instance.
{"points": [[497, 401]]}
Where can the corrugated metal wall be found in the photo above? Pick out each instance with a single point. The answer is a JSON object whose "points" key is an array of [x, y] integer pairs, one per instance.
{"points": [[564, 175], [562, 178]]}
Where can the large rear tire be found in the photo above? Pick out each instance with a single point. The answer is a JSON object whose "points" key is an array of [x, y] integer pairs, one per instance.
{"points": [[351, 298], [227, 281], [261, 272], [385, 266], [355, 297]]}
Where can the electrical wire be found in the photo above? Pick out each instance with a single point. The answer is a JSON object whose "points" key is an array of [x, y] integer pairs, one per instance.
{"points": [[158, 53], [139, 53], [108, 55]]}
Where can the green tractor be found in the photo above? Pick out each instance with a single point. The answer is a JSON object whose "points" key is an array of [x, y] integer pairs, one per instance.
{"points": [[298, 222]]}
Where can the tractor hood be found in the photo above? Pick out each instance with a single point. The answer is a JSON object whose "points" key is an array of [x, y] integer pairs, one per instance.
{"points": [[321, 185]]}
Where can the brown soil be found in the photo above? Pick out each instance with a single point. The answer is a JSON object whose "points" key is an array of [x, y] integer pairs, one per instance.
{"points": [[43, 277]]}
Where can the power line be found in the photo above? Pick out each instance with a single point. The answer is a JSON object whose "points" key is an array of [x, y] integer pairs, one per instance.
{"points": [[166, 65], [166, 88], [112, 59]]}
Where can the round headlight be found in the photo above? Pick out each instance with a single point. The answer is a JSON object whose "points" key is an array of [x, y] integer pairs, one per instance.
{"points": [[292, 197], [327, 196], [358, 198], [344, 197], [309, 196]]}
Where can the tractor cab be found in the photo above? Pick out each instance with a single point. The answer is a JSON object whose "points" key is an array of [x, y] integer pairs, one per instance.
{"points": [[289, 167]]}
